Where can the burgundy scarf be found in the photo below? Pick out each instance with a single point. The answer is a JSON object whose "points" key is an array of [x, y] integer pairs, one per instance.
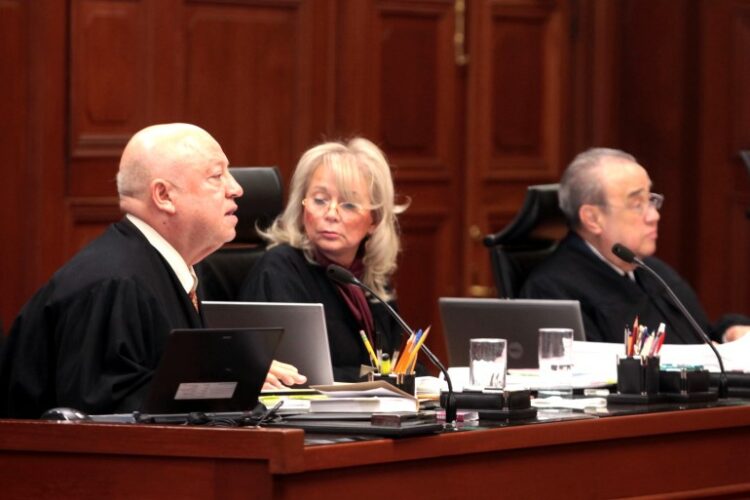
{"points": [[354, 297]]}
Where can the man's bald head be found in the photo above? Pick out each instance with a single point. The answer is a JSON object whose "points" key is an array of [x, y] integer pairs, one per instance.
{"points": [[160, 151], [175, 178]]}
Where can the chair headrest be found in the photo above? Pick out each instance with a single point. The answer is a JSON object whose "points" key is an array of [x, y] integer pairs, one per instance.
{"points": [[261, 202], [540, 217]]}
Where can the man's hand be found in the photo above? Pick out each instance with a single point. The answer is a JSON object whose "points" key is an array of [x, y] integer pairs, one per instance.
{"points": [[735, 332], [281, 374]]}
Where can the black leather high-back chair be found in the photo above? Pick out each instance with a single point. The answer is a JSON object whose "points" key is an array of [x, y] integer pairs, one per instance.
{"points": [[221, 274], [529, 238]]}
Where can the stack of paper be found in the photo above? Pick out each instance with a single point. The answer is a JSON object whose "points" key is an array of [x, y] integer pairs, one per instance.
{"points": [[369, 397], [601, 358], [597, 360], [735, 355]]}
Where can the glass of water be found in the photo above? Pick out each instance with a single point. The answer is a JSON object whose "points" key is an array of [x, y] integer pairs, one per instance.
{"points": [[556, 361], [488, 359]]}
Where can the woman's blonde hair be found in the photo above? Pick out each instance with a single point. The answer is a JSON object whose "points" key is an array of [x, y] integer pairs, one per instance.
{"points": [[347, 161]]}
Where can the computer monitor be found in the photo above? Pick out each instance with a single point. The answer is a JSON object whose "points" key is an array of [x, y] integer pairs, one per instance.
{"points": [[211, 370], [516, 320], [305, 341]]}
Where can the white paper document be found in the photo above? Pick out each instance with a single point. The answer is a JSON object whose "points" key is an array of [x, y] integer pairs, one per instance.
{"points": [[735, 355], [378, 396]]}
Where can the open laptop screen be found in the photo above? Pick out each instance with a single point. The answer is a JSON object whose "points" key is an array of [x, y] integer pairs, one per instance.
{"points": [[516, 320], [305, 342], [211, 370]]}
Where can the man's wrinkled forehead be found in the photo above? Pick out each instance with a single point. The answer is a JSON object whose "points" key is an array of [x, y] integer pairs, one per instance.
{"points": [[198, 151], [624, 177]]}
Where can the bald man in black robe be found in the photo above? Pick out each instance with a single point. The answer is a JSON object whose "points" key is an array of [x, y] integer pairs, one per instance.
{"points": [[92, 337]]}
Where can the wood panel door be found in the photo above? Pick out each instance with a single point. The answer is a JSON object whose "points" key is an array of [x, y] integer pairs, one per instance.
{"points": [[32, 146], [518, 95], [466, 136], [398, 84], [248, 72], [723, 228]]}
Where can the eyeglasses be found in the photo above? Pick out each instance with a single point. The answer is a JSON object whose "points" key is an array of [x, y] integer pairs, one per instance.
{"points": [[347, 210], [639, 205]]}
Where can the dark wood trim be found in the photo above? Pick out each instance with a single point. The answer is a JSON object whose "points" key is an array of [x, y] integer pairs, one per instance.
{"points": [[47, 459]]}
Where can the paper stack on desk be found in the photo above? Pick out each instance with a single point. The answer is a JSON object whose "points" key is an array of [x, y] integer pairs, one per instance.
{"points": [[597, 360], [601, 358], [368, 397], [735, 355]]}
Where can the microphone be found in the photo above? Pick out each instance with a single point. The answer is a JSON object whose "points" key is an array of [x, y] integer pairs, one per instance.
{"points": [[345, 277], [628, 256]]}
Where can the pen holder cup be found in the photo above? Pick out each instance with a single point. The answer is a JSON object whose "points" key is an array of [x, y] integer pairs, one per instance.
{"points": [[637, 375], [405, 382], [684, 381]]}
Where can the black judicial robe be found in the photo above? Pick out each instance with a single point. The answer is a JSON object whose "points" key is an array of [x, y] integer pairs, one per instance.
{"points": [[284, 275], [609, 301], [93, 335]]}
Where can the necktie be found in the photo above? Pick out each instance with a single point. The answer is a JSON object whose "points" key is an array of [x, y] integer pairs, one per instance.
{"points": [[192, 293], [194, 299]]}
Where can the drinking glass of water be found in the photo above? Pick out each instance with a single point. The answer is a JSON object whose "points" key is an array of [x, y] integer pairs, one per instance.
{"points": [[556, 361], [488, 359]]}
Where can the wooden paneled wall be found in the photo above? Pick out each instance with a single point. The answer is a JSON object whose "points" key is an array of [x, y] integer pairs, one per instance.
{"points": [[663, 79], [724, 195], [518, 87], [32, 147]]}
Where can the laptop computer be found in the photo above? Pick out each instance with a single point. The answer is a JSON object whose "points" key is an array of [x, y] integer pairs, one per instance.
{"points": [[516, 320], [305, 342], [217, 371]]}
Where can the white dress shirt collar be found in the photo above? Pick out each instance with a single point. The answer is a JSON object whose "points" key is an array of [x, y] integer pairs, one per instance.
{"points": [[185, 273], [619, 271]]}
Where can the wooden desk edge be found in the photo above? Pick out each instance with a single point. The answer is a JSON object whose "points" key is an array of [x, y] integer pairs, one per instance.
{"points": [[285, 452], [282, 448], [527, 436]]}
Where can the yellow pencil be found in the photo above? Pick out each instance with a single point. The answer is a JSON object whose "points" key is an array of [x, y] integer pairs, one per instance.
{"points": [[374, 358]]}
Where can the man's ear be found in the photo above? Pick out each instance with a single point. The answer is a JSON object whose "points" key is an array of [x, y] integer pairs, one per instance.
{"points": [[591, 218], [161, 194]]}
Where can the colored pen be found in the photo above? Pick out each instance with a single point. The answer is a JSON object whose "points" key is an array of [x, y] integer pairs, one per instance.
{"points": [[642, 339], [633, 337], [652, 347], [413, 357], [629, 346], [638, 340], [662, 333], [648, 344], [625, 339], [406, 353]]}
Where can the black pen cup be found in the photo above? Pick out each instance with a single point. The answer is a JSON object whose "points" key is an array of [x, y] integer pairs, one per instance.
{"points": [[638, 375], [405, 382]]}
